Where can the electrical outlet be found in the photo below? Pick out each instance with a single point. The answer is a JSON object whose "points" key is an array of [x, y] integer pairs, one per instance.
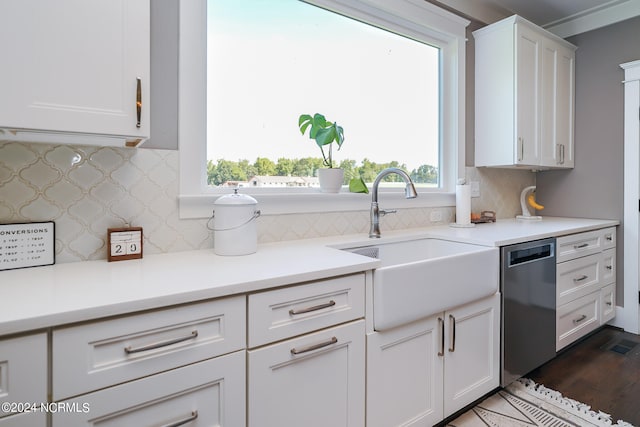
{"points": [[436, 216], [475, 188]]}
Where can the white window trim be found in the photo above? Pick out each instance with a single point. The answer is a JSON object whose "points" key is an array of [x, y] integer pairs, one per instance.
{"points": [[420, 18]]}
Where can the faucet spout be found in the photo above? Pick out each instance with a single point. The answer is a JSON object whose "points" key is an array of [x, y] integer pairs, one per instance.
{"points": [[409, 193]]}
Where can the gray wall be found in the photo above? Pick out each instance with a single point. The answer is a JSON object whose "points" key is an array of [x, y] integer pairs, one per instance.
{"points": [[594, 188], [164, 75]]}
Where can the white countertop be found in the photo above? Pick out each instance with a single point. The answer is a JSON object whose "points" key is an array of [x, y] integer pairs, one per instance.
{"points": [[42, 297]]}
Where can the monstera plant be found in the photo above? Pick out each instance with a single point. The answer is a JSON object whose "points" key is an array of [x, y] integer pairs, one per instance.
{"points": [[324, 132]]}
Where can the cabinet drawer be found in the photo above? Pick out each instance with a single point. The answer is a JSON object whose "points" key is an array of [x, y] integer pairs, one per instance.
{"points": [[23, 370], [316, 380], [30, 419], [608, 266], [577, 318], [284, 313], [607, 303], [578, 277], [609, 238], [579, 245], [104, 353], [209, 393]]}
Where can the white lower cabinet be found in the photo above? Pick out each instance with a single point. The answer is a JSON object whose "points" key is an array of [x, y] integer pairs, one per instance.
{"points": [[420, 373], [316, 380], [577, 318], [209, 393], [105, 353], [607, 303], [472, 361], [585, 283], [23, 380], [404, 375], [183, 365]]}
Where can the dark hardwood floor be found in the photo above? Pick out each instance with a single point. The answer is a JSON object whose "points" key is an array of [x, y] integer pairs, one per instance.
{"points": [[602, 371]]}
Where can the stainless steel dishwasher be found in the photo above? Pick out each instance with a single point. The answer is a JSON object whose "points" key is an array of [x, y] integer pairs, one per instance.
{"points": [[528, 286]]}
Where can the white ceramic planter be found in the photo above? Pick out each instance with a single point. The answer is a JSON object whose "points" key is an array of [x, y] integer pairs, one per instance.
{"points": [[330, 179]]}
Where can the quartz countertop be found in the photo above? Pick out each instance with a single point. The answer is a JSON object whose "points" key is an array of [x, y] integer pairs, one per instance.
{"points": [[43, 297]]}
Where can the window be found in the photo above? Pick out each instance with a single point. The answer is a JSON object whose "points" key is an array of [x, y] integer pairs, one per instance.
{"points": [[392, 77], [268, 61]]}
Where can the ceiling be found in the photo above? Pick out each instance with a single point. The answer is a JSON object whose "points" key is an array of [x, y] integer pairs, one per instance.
{"points": [[562, 17]]}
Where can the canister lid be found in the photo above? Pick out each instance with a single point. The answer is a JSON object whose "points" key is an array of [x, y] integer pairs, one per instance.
{"points": [[235, 199]]}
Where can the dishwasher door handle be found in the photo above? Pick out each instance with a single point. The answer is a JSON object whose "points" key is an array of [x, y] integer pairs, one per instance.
{"points": [[520, 256]]}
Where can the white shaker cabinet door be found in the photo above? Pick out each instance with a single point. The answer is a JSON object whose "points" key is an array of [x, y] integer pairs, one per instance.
{"points": [[527, 96], [75, 66], [557, 91], [405, 374], [316, 380], [472, 348], [23, 374]]}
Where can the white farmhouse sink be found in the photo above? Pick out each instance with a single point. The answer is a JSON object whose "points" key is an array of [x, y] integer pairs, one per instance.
{"points": [[418, 278]]}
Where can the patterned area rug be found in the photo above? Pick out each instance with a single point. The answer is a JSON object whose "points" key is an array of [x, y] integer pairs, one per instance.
{"points": [[525, 404]]}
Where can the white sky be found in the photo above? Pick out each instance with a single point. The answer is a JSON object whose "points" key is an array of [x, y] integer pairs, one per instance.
{"points": [[271, 60]]}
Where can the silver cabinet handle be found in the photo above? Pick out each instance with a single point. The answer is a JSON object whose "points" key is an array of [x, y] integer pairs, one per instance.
{"points": [[138, 100], [520, 148], [562, 154], [441, 327], [580, 319], [581, 278], [193, 416], [452, 330], [312, 347], [580, 246], [293, 312], [131, 350]]}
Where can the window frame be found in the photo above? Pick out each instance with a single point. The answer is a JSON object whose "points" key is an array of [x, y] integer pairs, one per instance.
{"points": [[412, 18]]}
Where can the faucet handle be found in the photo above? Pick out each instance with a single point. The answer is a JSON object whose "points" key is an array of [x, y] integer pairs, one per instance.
{"points": [[387, 211]]}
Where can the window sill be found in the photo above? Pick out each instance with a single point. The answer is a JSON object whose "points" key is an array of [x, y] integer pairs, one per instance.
{"points": [[201, 205]]}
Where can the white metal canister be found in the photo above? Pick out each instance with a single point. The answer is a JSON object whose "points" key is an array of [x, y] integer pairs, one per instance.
{"points": [[235, 231]]}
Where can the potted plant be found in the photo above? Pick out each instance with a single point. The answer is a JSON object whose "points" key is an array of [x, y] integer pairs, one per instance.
{"points": [[325, 133]]}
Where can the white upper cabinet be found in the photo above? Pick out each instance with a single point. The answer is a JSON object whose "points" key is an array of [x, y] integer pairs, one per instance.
{"points": [[524, 103], [75, 71]]}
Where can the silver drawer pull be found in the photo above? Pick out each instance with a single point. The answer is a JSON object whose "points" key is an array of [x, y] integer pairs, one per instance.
{"points": [[452, 337], [131, 350], [580, 319], [312, 347], [441, 327], [583, 245], [313, 308], [581, 278], [193, 416]]}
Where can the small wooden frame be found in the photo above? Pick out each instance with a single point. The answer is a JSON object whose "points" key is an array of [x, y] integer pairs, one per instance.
{"points": [[124, 243]]}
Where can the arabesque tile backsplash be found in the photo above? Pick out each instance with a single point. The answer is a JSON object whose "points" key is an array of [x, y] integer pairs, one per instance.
{"points": [[86, 190]]}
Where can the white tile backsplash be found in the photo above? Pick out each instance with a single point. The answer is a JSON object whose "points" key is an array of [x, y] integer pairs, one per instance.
{"points": [[86, 190]]}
